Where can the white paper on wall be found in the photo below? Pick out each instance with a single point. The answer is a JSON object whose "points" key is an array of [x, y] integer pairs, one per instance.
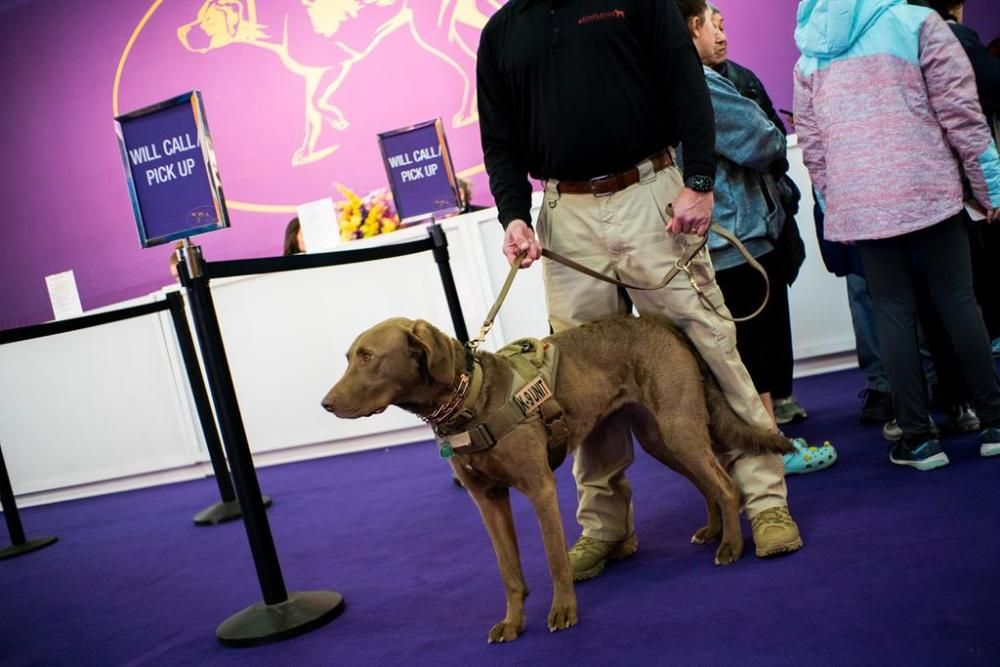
{"points": [[318, 220], [63, 294]]}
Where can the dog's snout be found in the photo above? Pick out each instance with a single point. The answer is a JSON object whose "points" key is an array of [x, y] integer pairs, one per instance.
{"points": [[329, 404]]}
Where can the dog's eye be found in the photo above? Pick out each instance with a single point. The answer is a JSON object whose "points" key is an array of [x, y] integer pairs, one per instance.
{"points": [[365, 356]]}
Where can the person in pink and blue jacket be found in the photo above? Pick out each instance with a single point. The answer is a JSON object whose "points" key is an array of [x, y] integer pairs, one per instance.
{"points": [[889, 120]]}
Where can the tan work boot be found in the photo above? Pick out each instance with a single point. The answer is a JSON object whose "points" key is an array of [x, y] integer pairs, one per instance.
{"points": [[589, 556], [775, 532]]}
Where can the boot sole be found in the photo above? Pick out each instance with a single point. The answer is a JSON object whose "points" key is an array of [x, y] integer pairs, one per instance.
{"points": [[989, 449], [776, 549]]}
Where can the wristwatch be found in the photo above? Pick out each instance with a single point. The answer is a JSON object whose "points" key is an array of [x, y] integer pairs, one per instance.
{"points": [[700, 183]]}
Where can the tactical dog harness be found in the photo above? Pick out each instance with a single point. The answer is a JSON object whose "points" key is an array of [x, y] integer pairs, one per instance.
{"points": [[529, 396], [535, 364]]}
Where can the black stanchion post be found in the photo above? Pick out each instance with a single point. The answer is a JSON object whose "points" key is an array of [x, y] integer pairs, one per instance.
{"points": [[19, 545], [281, 615], [228, 508], [448, 281]]}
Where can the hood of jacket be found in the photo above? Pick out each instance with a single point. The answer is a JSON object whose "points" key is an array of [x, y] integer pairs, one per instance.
{"points": [[827, 28]]}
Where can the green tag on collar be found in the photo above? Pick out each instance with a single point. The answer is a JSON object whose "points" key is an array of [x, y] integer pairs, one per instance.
{"points": [[446, 451]]}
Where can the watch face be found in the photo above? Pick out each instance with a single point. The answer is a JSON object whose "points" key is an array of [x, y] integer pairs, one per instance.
{"points": [[700, 183]]}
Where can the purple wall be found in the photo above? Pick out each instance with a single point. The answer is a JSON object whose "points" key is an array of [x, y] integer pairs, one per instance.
{"points": [[760, 37], [64, 192], [983, 16], [63, 188]]}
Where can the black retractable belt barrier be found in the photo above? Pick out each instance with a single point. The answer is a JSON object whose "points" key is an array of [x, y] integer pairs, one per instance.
{"points": [[436, 241], [281, 615], [228, 508], [448, 282], [77, 323], [245, 267], [19, 545]]}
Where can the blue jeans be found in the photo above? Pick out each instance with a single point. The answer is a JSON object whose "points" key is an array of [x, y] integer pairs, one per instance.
{"points": [[866, 334]]}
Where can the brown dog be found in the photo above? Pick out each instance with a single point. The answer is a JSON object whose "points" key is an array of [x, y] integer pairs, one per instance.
{"points": [[640, 365]]}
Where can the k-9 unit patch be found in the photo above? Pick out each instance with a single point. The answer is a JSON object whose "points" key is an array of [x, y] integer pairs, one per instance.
{"points": [[532, 395]]}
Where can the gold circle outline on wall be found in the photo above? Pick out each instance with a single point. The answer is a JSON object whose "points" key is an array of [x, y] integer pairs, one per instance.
{"points": [[233, 204]]}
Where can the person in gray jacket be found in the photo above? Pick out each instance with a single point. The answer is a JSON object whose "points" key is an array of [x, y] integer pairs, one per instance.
{"points": [[747, 203]]}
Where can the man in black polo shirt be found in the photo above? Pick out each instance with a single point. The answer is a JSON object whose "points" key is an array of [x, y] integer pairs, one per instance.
{"points": [[570, 92]]}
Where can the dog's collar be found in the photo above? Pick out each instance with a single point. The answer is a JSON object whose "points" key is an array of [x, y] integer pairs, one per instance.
{"points": [[464, 394], [535, 365]]}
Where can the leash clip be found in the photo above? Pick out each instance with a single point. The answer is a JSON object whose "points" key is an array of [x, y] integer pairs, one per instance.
{"points": [[686, 268]]}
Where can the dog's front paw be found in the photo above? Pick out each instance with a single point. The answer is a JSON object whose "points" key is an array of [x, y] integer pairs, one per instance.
{"points": [[706, 535], [728, 553], [562, 616], [504, 631]]}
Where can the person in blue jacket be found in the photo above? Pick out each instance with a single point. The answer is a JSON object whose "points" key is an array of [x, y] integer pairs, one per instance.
{"points": [[747, 203]]}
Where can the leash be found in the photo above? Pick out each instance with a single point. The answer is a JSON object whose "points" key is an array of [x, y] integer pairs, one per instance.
{"points": [[682, 263]]}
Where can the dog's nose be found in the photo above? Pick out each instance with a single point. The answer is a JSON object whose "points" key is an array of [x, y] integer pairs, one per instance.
{"points": [[328, 404]]}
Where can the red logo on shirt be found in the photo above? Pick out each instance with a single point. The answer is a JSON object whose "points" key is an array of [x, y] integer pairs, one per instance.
{"points": [[602, 16]]}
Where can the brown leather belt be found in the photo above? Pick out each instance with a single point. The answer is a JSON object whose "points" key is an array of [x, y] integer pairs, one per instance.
{"points": [[606, 185]]}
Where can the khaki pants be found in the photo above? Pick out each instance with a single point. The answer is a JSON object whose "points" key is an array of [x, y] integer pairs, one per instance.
{"points": [[624, 235]]}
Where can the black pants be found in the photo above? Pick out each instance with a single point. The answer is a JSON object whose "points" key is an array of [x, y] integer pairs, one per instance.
{"points": [[950, 389], [936, 259], [765, 342]]}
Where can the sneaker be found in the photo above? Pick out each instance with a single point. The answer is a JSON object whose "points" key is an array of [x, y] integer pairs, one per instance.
{"points": [[876, 406], [961, 419], [893, 433], [775, 532], [788, 411], [928, 455], [989, 442], [808, 458], [589, 556]]}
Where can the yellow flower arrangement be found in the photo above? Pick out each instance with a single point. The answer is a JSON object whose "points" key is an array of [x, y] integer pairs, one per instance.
{"points": [[364, 217]]}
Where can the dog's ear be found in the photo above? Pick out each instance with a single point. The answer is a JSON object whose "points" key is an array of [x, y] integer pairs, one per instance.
{"points": [[437, 350]]}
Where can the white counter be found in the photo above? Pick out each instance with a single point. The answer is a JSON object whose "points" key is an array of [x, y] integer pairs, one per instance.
{"points": [[108, 408]]}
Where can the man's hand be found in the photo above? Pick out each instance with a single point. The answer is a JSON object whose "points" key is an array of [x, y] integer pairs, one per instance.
{"points": [[520, 238], [993, 215], [692, 213]]}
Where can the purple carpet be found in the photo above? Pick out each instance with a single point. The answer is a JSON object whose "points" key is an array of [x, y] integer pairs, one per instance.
{"points": [[899, 568]]}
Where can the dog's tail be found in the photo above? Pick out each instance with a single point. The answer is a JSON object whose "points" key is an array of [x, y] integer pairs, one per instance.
{"points": [[731, 432]]}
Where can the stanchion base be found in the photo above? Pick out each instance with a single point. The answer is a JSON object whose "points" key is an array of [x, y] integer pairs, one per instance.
{"points": [[264, 624], [222, 512], [26, 547]]}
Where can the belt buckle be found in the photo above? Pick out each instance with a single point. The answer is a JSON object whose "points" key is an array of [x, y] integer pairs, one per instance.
{"points": [[596, 182]]}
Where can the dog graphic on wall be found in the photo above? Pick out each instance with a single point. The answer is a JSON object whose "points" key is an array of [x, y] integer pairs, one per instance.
{"points": [[348, 26]]}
